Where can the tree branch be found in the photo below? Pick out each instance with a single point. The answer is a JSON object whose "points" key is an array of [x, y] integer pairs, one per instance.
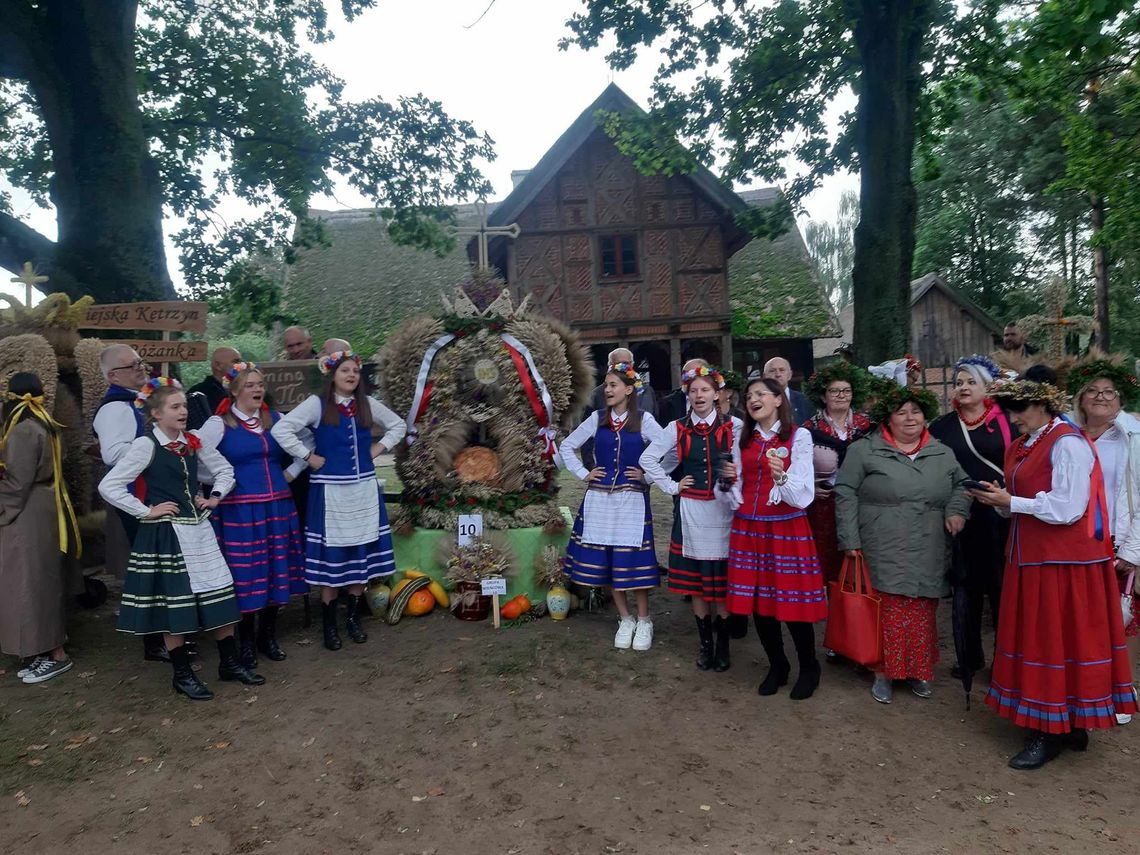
{"points": [[20, 243]]}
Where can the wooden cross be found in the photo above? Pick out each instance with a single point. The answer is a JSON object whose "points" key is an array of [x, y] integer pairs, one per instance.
{"points": [[1057, 323], [30, 279], [484, 232]]}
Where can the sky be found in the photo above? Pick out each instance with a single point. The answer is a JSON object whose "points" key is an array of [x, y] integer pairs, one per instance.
{"points": [[505, 74]]}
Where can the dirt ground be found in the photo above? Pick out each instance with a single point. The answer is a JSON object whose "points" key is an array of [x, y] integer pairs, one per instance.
{"points": [[438, 736]]}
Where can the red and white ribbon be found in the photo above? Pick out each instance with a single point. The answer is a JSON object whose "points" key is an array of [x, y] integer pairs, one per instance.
{"points": [[423, 388], [544, 408]]}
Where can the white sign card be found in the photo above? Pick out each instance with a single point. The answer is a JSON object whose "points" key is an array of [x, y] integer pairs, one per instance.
{"points": [[470, 528], [494, 585]]}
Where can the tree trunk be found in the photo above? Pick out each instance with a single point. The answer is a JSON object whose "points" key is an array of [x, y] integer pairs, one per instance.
{"points": [[889, 35], [105, 184], [1100, 276]]}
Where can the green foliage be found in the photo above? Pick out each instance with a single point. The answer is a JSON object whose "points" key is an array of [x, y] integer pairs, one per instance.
{"points": [[832, 247], [255, 346]]}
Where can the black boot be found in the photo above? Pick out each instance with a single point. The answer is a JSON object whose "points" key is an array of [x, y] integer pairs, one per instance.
{"points": [[230, 667], [186, 682], [803, 636], [328, 614], [772, 640], [1077, 739], [267, 635], [247, 652], [705, 657], [352, 621], [722, 660], [1039, 749], [153, 648]]}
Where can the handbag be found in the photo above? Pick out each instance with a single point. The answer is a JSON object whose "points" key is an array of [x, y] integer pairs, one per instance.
{"points": [[1127, 600], [854, 630]]}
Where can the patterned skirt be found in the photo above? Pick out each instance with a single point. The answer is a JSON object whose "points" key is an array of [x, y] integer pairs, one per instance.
{"points": [[262, 545], [705, 579], [1061, 661], [337, 566], [821, 515], [624, 568], [910, 637], [157, 596], [773, 569]]}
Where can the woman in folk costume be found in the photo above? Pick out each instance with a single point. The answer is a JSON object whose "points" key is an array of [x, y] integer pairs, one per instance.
{"points": [[36, 524], [612, 542], [701, 446], [1061, 667], [773, 570], [177, 581], [978, 433], [257, 522], [347, 539]]}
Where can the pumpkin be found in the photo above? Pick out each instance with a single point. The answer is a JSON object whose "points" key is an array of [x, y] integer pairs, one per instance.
{"points": [[524, 602], [511, 609], [421, 603]]}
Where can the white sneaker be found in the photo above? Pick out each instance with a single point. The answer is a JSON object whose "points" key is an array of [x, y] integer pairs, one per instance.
{"points": [[1123, 718], [643, 634], [624, 637], [29, 668], [47, 669]]}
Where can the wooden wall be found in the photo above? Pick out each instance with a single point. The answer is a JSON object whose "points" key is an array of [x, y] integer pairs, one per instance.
{"points": [[942, 331]]}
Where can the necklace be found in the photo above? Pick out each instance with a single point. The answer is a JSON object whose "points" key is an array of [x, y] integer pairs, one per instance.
{"points": [[1026, 449], [973, 423]]}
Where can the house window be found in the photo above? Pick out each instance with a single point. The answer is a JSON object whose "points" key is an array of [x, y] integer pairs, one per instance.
{"points": [[619, 256]]}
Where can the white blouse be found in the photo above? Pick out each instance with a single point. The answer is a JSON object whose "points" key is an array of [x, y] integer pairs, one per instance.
{"points": [[1068, 496], [292, 426], [799, 490], [214, 430], [568, 448], [113, 487], [660, 458]]}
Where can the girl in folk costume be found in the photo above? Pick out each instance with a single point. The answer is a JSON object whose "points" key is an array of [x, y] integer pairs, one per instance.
{"points": [[612, 541], [1061, 668], [257, 522], [701, 445], [177, 581], [773, 570], [36, 524], [347, 539]]}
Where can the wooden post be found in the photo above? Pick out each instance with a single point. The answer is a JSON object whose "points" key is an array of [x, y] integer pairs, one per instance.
{"points": [[166, 365], [675, 359], [495, 609]]}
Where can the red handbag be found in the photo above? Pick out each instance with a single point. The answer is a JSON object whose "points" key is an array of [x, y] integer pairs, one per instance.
{"points": [[854, 630]]}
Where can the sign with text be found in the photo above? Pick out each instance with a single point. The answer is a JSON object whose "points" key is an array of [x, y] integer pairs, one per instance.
{"points": [[168, 315], [493, 586], [289, 382], [470, 528], [154, 352]]}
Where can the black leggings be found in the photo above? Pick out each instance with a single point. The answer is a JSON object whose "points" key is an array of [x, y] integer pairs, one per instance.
{"points": [[772, 639]]}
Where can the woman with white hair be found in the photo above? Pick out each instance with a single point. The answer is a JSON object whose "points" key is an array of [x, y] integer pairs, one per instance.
{"points": [[978, 432]]}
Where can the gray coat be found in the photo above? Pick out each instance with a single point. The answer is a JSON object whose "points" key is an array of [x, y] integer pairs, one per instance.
{"points": [[895, 510]]}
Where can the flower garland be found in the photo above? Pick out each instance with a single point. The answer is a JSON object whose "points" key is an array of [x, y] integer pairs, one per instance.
{"points": [[1110, 368], [858, 378], [328, 364], [702, 371], [1030, 392], [237, 368], [626, 370], [150, 387], [895, 396]]}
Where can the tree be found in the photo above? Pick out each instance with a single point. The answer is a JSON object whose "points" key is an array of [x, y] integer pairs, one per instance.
{"points": [[765, 79], [114, 110], [832, 247]]}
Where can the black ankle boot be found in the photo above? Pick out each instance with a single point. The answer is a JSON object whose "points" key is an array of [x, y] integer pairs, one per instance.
{"points": [[328, 614], [230, 667], [186, 682], [706, 657], [247, 652], [1039, 749], [267, 635], [352, 621], [721, 658], [807, 681]]}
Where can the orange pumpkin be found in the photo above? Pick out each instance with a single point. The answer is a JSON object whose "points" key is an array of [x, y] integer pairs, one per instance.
{"points": [[511, 610], [421, 603], [523, 601]]}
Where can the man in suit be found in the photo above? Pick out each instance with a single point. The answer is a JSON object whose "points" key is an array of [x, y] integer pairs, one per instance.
{"points": [[212, 388], [779, 369]]}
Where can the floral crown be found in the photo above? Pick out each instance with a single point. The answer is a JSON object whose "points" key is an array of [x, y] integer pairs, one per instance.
{"points": [[151, 386], [1030, 392], [1110, 368], [895, 396], [626, 370], [859, 378], [237, 368], [328, 364], [979, 360], [692, 374]]}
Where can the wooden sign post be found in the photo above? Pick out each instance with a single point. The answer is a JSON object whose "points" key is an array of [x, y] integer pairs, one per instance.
{"points": [[494, 587], [166, 316]]}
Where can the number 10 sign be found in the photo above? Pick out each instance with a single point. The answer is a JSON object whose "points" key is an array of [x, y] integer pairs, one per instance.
{"points": [[470, 528]]}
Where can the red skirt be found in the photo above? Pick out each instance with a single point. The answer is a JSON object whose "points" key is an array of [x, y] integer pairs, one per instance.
{"points": [[910, 637], [821, 515], [773, 569], [1061, 662]]}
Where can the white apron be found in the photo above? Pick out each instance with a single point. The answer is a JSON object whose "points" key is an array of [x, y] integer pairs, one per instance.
{"points": [[352, 513]]}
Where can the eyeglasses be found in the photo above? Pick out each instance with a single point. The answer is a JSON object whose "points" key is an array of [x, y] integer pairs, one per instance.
{"points": [[840, 393], [1103, 394], [137, 364]]}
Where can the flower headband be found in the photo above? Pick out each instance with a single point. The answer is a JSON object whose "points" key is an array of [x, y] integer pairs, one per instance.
{"points": [[1030, 392], [626, 370], [1110, 368], [236, 369], [979, 360], [328, 364], [893, 397], [702, 371], [151, 386]]}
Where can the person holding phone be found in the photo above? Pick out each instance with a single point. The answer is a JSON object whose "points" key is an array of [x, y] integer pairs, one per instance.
{"points": [[978, 433]]}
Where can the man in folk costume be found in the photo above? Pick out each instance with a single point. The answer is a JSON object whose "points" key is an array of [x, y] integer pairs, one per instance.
{"points": [[117, 424], [1061, 668]]}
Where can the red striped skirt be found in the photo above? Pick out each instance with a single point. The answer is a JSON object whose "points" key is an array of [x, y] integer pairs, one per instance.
{"points": [[1061, 662], [773, 569], [910, 637]]}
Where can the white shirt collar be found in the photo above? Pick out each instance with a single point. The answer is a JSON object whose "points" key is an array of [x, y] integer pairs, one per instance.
{"points": [[163, 439], [618, 418], [340, 399], [710, 419], [768, 434]]}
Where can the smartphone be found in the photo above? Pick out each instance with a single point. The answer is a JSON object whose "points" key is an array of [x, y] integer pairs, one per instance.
{"points": [[971, 484]]}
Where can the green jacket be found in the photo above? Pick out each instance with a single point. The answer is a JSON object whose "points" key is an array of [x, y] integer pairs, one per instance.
{"points": [[895, 510]]}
